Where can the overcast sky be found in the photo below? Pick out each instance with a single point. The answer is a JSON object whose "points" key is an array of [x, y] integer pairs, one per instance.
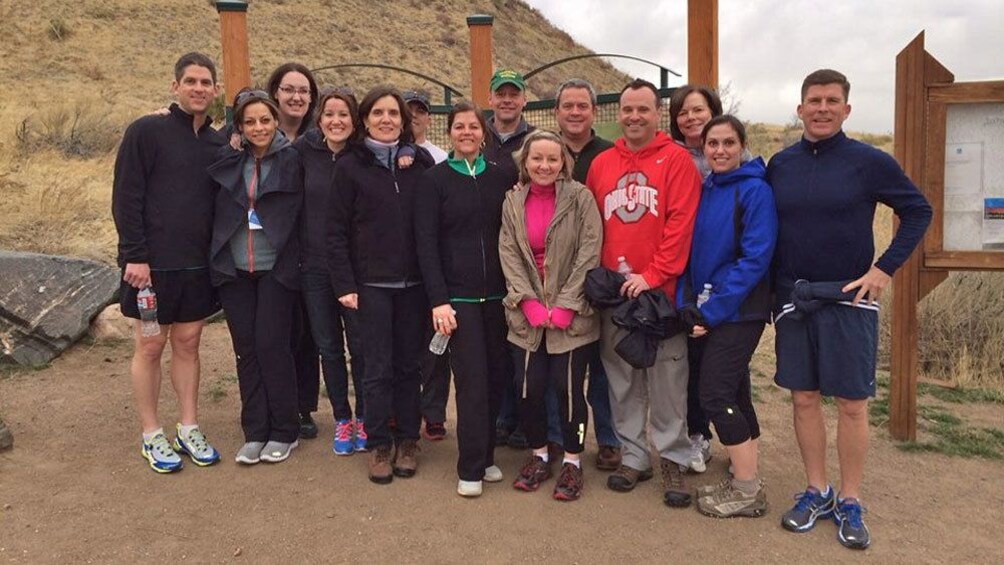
{"points": [[766, 47]]}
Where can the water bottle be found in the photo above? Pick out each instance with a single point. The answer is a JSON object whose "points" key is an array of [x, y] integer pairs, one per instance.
{"points": [[146, 302], [623, 267], [438, 344], [704, 295]]}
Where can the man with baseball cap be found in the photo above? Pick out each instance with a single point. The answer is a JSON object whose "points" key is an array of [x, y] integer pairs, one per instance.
{"points": [[507, 128], [418, 105]]}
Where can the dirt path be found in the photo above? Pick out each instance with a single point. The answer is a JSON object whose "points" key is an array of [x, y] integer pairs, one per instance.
{"points": [[75, 489]]}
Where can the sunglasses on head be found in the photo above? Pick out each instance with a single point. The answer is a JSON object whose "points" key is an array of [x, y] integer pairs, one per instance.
{"points": [[341, 90], [249, 94]]}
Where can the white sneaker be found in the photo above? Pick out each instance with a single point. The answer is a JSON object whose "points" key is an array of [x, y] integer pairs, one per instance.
{"points": [[700, 453], [469, 489], [493, 474]]}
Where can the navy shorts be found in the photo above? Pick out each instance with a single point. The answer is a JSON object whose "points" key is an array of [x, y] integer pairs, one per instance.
{"points": [[832, 350], [182, 296]]}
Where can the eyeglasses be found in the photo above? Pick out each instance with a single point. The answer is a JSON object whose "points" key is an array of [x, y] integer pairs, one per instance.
{"points": [[291, 90], [249, 94]]}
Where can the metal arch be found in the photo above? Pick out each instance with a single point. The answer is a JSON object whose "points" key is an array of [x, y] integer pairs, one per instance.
{"points": [[447, 89], [664, 74]]}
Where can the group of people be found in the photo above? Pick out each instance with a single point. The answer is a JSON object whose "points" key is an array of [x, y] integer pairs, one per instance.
{"points": [[650, 264]]}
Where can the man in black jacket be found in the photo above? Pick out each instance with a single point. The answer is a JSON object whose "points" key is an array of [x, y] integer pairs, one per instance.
{"points": [[506, 128], [162, 202]]}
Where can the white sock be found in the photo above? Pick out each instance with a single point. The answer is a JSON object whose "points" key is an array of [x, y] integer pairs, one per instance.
{"points": [[185, 430], [576, 462], [148, 437], [826, 492], [545, 456]]}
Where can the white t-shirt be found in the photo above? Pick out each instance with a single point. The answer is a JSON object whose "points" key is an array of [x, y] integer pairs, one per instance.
{"points": [[437, 154]]}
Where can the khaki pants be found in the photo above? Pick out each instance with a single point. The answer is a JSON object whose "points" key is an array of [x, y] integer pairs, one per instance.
{"points": [[653, 399]]}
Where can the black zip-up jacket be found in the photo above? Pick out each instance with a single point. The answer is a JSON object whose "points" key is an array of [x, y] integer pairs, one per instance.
{"points": [[279, 205], [318, 185], [500, 152], [371, 234], [457, 222], [584, 158], [162, 196]]}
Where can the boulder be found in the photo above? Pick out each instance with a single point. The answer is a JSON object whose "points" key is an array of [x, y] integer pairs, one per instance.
{"points": [[111, 325], [6, 439], [47, 303]]}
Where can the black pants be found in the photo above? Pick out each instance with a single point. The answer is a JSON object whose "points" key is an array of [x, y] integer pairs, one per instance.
{"points": [[478, 356], [697, 421], [304, 348], [435, 385], [260, 317], [393, 322], [723, 358], [567, 374]]}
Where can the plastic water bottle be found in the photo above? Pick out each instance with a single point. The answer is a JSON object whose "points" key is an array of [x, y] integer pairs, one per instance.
{"points": [[146, 302], [623, 267], [704, 295], [438, 344]]}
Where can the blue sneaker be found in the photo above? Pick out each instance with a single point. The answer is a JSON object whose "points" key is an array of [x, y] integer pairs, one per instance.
{"points": [[360, 435], [159, 454], [196, 447], [851, 532], [342, 445], [810, 506]]}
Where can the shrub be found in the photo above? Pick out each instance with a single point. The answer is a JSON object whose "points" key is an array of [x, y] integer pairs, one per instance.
{"points": [[79, 131], [58, 30]]}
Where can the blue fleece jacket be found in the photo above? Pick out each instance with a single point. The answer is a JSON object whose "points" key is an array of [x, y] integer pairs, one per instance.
{"points": [[826, 193], [714, 258]]}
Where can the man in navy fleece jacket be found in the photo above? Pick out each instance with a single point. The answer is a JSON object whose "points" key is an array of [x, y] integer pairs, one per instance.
{"points": [[825, 188]]}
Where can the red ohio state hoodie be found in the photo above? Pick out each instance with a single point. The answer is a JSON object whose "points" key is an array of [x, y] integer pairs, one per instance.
{"points": [[648, 200]]}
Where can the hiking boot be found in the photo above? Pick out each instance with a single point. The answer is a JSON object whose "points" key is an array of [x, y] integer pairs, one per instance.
{"points": [[534, 472], [810, 506], [700, 453], [196, 447], [726, 501], [359, 441], [469, 489], [277, 451], [706, 490], [676, 494], [626, 478], [569, 485], [160, 456], [308, 428], [405, 462], [517, 439], [379, 465], [493, 474], [343, 444], [851, 532], [608, 458], [434, 431], [249, 453]]}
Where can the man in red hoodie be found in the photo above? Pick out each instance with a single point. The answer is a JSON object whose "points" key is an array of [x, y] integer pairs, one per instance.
{"points": [[647, 190]]}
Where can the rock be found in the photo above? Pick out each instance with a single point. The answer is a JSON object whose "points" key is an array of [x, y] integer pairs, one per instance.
{"points": [[6, 439], [111, 325], [47, 302]]}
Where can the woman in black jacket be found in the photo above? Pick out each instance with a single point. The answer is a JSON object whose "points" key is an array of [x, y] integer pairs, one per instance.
{"points": [[374, 269], [254, 262], [458, 215]]}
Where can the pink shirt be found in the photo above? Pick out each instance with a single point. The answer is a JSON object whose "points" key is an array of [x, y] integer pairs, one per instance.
{"points": [[539, 212]]}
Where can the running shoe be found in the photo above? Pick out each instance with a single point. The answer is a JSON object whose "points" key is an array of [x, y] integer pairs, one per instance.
{"points": [[159, 454], [851, 532], [343, 444], [360, 435], [810, 506], [196, 447]]}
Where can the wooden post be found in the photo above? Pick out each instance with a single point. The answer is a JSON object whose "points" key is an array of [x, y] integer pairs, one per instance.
{"points": [[480, 27], [234, 38], [702, 42]]}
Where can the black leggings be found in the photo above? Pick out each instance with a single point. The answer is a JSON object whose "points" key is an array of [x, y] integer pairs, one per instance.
{"points": [[567, 373], [723, 360]]}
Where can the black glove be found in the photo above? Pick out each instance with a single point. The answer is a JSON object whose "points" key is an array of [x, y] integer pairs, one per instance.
{"points": [[691, 316]]}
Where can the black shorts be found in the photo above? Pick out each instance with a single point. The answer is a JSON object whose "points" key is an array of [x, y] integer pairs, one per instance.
{"points": [[832, 350], [182, 296]]}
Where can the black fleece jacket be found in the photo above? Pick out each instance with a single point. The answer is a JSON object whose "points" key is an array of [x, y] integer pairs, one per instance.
{"points": [[371, 234], [318, 185], [457, 223], [162, 196]]}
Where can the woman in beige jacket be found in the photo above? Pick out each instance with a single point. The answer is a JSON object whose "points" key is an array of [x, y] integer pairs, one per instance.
{"points": [[551, 236]]}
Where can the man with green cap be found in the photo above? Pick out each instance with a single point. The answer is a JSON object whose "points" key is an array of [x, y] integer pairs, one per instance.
{"points": [[506, 128]]}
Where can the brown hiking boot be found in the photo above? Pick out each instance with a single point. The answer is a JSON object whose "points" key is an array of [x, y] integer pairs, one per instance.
{"points": [[379, 463], [405, 463], [676, 493], [569, 485], [608, 458], [626, 478]]}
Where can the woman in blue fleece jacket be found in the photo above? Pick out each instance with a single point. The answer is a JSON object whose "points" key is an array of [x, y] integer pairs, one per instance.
{"points": [[734, 236]]}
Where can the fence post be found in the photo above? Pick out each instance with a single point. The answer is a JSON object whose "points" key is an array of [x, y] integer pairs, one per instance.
{"points": [[480, 26], [702, 42], [234, 39]]}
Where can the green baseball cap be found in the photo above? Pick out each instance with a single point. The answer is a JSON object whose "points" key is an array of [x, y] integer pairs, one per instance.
{"points": [[507, 76]]}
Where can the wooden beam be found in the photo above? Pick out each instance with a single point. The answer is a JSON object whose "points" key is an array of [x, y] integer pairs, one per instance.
{"points": [[965, 260], [702, 42], [968, 92], [234, 39], [480, 27], [929, 280]]}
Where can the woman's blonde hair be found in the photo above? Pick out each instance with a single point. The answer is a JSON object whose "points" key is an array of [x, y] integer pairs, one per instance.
{"points": [[521, 155]]}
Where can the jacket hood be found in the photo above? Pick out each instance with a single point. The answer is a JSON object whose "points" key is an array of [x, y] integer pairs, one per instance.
{"points": [[753, 169], [661, 140], [279, 142]]}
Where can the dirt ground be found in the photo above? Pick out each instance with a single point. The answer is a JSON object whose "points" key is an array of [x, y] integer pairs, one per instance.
{"points": [[74, 489]]}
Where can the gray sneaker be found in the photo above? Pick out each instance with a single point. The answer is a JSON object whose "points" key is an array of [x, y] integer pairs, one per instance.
{"points": [[728, 502], [277, 451], [810, 506], [250, 453]]}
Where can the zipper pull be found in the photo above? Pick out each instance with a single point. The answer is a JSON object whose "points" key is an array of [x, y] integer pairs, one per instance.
{"points": [[397, 189]]}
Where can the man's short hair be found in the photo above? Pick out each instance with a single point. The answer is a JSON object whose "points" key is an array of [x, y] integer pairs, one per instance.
{"points": [[826, 76], [575, 83], [640, 83], [194, 58]]}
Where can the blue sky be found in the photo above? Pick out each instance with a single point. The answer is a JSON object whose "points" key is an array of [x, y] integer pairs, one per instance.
{"points": [[766, 47]]}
